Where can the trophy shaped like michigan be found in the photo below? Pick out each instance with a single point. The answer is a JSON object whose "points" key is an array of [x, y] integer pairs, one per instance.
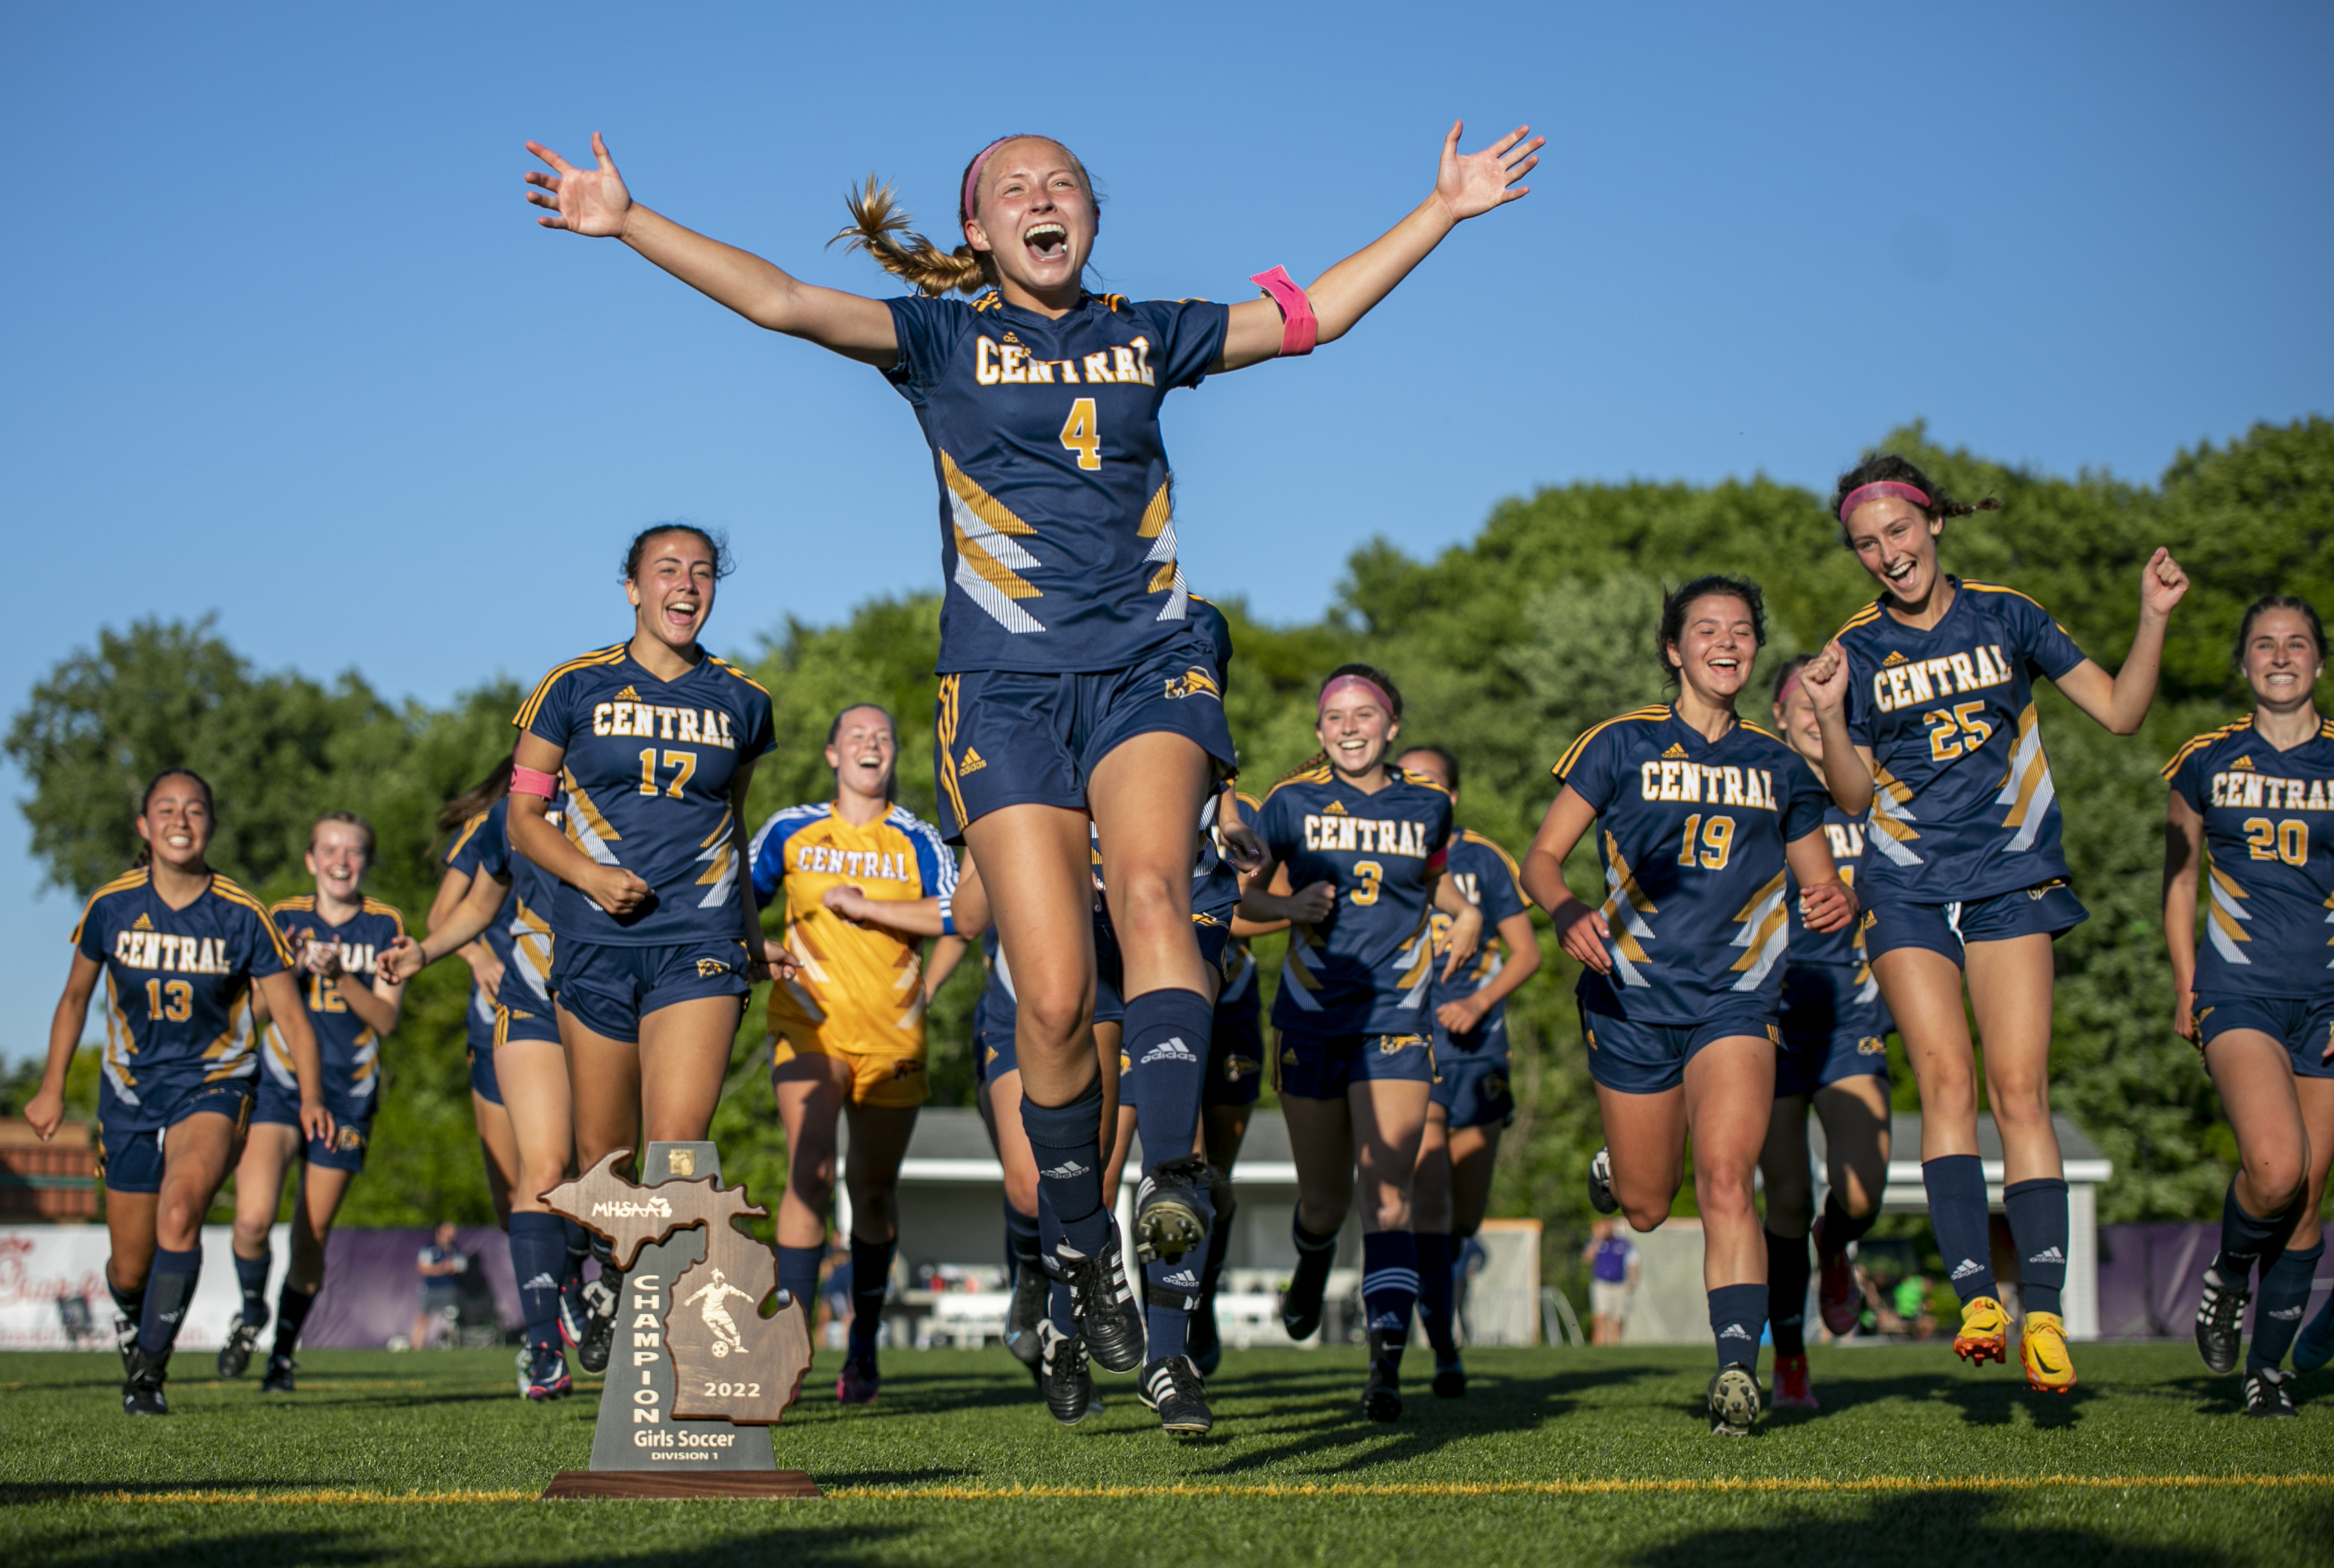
{"points": [[696, 1375]]}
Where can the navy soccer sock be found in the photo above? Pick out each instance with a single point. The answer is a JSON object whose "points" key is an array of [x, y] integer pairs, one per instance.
{"points": [[798, 1274], [292, 1306], [1066, 1141], [1957, 1214], [2038, 1226], [1061, 1307], [168, 1290], [1167, 1034], [1436, 1288], [1788, 1268], [1211, 1271], [130, 1303], [1841, 1228], [1737, 1313], [1173, 1295], [2247, 1239], [1390, 1289], [1021, 1244], [538, 1249], [251, 1275], [2284, 1297], [870, 1282]]}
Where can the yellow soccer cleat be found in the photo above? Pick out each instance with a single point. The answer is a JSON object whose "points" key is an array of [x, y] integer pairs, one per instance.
{"points": [[1984, 1334], [2042, 1346]]}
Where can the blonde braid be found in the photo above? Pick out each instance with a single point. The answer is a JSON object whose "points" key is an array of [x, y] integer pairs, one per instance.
{"points": [[877, 227]]}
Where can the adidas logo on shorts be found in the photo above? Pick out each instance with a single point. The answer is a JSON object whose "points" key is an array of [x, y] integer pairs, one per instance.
{"points": [[1184, 1280], [973, 763], [2048, 1254], [1966, 1267], [540, 1281], [1174, 1050], [1065, 1172]]}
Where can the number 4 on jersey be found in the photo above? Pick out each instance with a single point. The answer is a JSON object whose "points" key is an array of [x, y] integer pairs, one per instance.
{"points": [[1081, 433]]}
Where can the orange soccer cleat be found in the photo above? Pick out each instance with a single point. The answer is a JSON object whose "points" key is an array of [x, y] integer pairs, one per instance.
{"points": [[2042, 1346], [1984, 1334]]}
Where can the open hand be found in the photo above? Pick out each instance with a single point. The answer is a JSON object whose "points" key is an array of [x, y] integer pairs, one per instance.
{"points": [[400, 961], [2184, 1018], [315, 1121], [1477, 182], [2162, 583], [1465, 936], [1584, 933], [585, 201]]}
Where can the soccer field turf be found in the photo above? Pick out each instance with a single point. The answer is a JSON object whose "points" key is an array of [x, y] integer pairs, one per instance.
{"points": [[1597, 1456]]}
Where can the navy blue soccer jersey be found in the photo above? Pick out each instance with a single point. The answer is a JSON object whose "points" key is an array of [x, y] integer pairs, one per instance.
{"points": [[464, 855], [1487, 875], [178, 990], [350, 1050], [1691, 833], [2269, 830], [1057, 533], [1849, 837], [1962, 805], [647, 775], [1365, 969], [524, 923]]}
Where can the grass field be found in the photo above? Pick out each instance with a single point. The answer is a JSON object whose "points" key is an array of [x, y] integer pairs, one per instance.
{"points": [[1557, 1456]]}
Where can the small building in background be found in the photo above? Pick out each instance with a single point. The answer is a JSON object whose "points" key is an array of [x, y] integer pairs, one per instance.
{"points": [[51, 1183]]}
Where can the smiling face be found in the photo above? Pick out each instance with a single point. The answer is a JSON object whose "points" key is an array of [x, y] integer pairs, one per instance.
{"points": [[1898, 544], [1715, 648], [337, 858], [672, 592], [2283, 660], [863, 752], [177, 824], [1355, 728], [1033, 216], [1794, 717]]}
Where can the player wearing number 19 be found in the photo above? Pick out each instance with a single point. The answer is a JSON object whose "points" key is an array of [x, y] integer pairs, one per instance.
{"points": [[1073, 679], [1926, 702], [2257, 798], [1705, 822]]}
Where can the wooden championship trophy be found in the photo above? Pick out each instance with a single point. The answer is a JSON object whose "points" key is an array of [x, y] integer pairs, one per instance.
{"points": [[696, 1376]]}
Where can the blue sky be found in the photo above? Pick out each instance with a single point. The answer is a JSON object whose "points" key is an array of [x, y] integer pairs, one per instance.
{"points": [[280, 344]]}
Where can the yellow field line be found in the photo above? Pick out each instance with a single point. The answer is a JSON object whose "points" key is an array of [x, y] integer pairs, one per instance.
{"points": [[348, 1496]]}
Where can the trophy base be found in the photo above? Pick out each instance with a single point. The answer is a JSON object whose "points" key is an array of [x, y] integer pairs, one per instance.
{"points": [[658, 1483]]}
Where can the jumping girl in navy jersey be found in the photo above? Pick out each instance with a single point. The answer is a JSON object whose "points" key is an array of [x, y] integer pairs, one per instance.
{"points": [[2257, 798], [181, 950], [1355, 852], [1072, 682], [1930, 731], [337, 934], [1471, 1105], [1705, 822], [1834, 1058]]}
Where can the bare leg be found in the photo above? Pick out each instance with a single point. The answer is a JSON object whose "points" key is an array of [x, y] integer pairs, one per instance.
{"points": [[1783, 1162], [1644, 1135], [1146, 796], [500, 1148], [1923, 992], [2009, 987], [268, 1150], [684, 1060], [1389, 1119], [1321, 1144], [1038, 865], [1729, 1092], [534, 1078], [1855, 1116], [879, 1142], [1430, 1188], [810, 1092], [2258, 1089], [1004, 1102], [313, 1210], [1474, 1155]]}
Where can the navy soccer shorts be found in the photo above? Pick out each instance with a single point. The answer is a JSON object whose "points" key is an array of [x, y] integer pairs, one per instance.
{"points": [[1634, 1058], [2050, 908], [130, 1138], [1828, 1033], [610, 989], [2304, 1027], [1323, 1066]]}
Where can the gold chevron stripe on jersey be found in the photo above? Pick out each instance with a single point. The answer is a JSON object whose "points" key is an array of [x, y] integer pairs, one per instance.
{"points": [[1159, 526], [1626, 906], [989, 562], [951, 712], [2198, 743], [1419, 974], [2226, 918], [587, 829], [534, 703], [720, 851], [232, 1050], [2026, 787], [531, 940], [120, 1047], [233, 894], [1298, 980], [1564, 765], [1892, 818], [1766, 930]]}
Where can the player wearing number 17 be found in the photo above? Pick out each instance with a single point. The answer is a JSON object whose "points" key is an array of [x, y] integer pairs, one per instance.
{"points": [[1073, 678]]}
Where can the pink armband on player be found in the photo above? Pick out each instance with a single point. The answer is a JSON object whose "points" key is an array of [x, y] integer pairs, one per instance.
{"points": [[1300, 328], [529, 781]]}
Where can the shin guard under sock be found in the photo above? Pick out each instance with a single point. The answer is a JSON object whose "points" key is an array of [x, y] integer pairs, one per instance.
{"points": [[798, 1274], [1737, 1313], [1173, 1292], [1066, 1141], [1787, 1270], [1167, 1034], [1841, 1228], [538, 1249], [870, 1282], [2276, 1310], [1436, 1289], [292, 1306], [1957, 1214], [251, 1277], [168, 1290], [2039, 1229], [1390, 1288]]}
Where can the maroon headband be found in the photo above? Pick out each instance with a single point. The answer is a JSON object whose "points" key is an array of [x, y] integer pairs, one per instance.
{"points": [[1863, 493], [1377, 692]]}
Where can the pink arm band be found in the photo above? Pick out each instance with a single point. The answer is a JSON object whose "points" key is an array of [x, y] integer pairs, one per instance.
{"points": [[1298, 326], [527, 781]]}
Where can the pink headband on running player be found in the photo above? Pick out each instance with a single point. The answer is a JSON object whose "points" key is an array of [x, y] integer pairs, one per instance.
{"points": [[1345, 682], [1863, 493], [972, 175], [1791, 684]]}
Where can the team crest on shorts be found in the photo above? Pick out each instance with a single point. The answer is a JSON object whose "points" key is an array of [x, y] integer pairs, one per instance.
{"points": [[347, 1140], [1195, 682], [1288, 1057], [1496, 1087], [1239, 1067], [709, 968], [1390, 1044], [1775, 1033], [1871, 1046], [906, 1067]]}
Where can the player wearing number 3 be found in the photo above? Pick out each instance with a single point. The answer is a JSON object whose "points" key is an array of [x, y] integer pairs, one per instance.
{"points": [[1926, 703], [1074, 679]]}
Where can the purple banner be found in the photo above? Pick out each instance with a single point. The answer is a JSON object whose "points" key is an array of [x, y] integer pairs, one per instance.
{"points": [[2151, 1277], [373, 1285]]}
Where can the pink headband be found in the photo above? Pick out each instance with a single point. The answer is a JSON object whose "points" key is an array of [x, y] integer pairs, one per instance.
{"points": [[1376, 692], [1863, 493], [1791, 684], [972, 175]]}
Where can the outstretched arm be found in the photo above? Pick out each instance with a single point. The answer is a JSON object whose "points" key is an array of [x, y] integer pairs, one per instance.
{"points": [[593, 202], [1464, 186], [2121, 704]]}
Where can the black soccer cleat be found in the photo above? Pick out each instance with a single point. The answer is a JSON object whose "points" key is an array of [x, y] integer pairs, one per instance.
{"points": [[1382, 1394], [125, 1339], [1300, 1307], [2221, 1322], [278, 1379], [1170, 1217], [1449, 1379], [1025, 1312], [1175, 1389], [1600, 1183], [1063, 1374], [599, 1303], [1733, 1401], [1110, 1324], [142, 1385], [236, 1354], [2268, 1393], [547, 1377]]}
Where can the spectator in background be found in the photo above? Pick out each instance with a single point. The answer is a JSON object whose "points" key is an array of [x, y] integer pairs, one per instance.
{"points": [[1914, 1312], [441, 1266], [1614, 1266]]}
